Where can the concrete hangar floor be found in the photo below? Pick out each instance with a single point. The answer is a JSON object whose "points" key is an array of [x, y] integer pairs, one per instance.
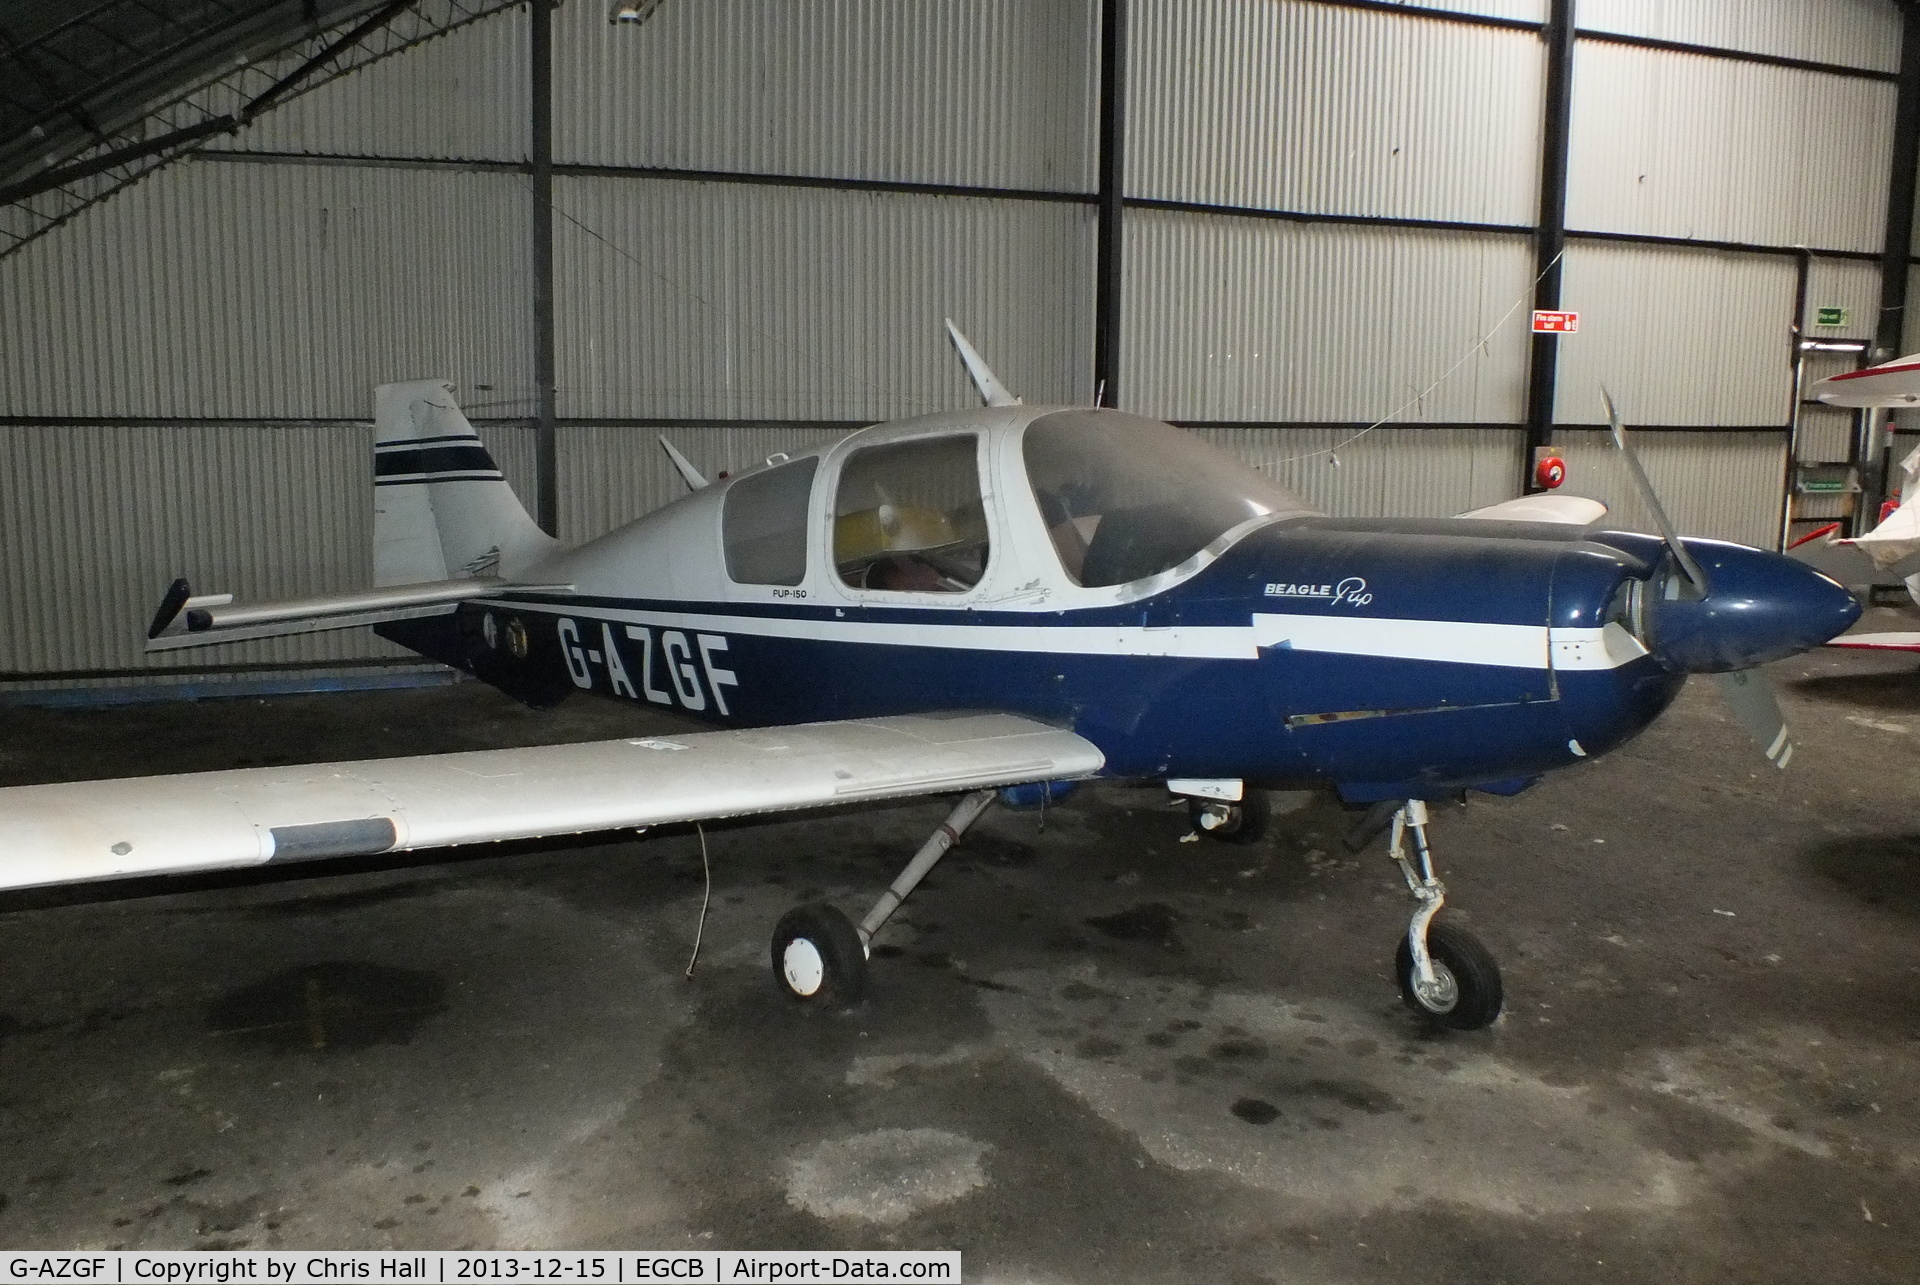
{"points": [[1091, 1052]]}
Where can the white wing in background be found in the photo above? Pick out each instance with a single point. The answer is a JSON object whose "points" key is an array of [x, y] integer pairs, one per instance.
{"points": [[1877, 642], [1893, 383], [222, 820]]}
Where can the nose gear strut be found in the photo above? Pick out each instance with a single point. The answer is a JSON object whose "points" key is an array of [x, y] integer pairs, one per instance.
{"points": [[1445, 974]]}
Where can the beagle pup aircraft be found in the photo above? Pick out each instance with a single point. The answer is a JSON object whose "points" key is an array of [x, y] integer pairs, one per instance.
{"points": [[959, 603]]}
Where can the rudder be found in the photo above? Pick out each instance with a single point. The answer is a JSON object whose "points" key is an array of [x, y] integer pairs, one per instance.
{"points": [[442, 508]]}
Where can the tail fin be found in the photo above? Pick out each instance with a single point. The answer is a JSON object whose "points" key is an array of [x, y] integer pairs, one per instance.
{"points": [[441, 508]]}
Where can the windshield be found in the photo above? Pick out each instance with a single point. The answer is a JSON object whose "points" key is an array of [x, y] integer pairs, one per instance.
{"points": [[1126, 497]]}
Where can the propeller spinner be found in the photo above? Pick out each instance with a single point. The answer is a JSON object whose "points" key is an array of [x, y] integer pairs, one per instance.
{"points": [[1724, 609]]}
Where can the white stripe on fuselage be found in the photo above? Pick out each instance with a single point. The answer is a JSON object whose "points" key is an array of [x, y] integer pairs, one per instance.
{"points": [[1458, 642], [1464, 642]]}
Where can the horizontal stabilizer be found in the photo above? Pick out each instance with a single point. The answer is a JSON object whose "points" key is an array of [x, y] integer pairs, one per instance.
{"points": [[1573, 510], [223, 820], [186, 620]]}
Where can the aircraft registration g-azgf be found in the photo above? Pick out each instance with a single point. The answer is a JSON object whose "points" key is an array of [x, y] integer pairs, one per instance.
{"points": [[959, 603]]}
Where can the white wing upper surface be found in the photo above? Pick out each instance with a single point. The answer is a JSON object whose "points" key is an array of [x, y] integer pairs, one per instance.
{"points": [[1573, 510], [218, 820], [1893, 383]]}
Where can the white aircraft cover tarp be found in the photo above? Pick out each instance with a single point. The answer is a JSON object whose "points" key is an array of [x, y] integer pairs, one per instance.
{"points": [[219, 820], [1898, 538]]}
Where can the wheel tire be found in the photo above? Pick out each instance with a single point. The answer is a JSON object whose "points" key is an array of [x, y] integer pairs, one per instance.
{"points": [[818, 958], [1251, 818], [1474, 972]]}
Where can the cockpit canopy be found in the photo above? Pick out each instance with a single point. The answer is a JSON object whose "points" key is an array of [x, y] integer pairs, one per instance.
{"points": [[1126, 497], [919, 512]]}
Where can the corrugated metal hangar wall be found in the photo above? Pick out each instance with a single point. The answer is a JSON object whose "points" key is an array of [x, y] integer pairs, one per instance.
{"points": [[763, 208]]}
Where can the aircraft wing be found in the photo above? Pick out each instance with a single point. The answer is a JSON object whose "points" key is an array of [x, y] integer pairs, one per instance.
{"points": [[1572, 509], [1877, 642], [1893, 383], [252, 816]]}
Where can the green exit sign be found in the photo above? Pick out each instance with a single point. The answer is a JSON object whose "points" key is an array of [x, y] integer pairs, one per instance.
{"points": [[1830, 317]]}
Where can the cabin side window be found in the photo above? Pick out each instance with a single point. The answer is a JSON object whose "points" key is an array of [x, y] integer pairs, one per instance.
{"points": [[764, 524], [908, 517]]}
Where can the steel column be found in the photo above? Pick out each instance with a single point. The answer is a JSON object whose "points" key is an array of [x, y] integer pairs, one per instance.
{"points": [[1550, 237], [1889, 337], [1797, 363], [1108, 252], [546, 506]]}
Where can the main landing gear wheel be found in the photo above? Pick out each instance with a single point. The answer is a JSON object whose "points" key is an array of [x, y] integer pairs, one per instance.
{"points": [[817, 956], [1467, 993], [1242, 822]]}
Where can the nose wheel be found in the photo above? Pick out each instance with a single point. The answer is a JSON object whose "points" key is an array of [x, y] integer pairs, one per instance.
{"points": [[1465, 994], [1446, 975]]}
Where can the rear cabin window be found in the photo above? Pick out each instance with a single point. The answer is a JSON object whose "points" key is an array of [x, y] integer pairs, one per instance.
{"points": [[764, 524], [908, 517]]}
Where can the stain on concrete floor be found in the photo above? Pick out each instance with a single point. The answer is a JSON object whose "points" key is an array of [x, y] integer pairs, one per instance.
{"points": [[329, 1005], [1091, 1052]]}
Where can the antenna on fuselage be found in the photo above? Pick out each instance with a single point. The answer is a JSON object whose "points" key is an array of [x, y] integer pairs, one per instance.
{"points": [[687, 470], [992, 391]]}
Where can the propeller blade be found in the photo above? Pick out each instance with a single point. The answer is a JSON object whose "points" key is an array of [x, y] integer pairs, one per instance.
{"points": [[1754, 704], [1680, 554]]}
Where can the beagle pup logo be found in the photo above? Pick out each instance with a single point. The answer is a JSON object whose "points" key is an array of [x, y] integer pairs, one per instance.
{"points": [[1350, 592]]}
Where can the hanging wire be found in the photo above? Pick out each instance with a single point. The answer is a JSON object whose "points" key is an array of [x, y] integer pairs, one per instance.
{"points": [[705, 900], [1479, 346], [804, 354]]}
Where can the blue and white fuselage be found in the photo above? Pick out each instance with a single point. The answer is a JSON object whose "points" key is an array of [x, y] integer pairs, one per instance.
{"points": [[986, 559]]}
